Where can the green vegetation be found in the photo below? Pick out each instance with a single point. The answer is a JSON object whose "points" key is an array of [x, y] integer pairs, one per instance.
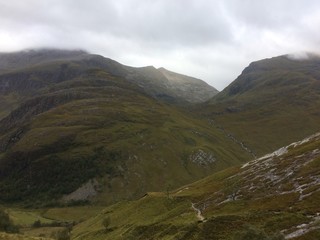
{"points": [[6, 225], [80, 132], [272, 103], [106, 223], [252, 233], [61, 235], [96, 131], [6, 236], [260, 208], [55, 223]]}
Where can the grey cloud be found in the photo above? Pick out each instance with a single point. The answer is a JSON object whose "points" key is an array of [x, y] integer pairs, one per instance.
{"points": [[210, 39]]}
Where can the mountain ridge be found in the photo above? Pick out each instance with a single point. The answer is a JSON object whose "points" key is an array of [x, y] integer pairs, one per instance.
{"points": [[92, 120], [185, 85], [273, 102], [151, 79]]}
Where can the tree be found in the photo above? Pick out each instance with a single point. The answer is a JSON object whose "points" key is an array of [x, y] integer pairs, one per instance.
{"points": [[61, 235], [36, 224], [106, 223], [6, 224]]}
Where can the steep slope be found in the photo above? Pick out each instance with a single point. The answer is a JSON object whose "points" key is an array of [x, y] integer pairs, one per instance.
{"points": [[18, 60], [82, 132], [272, 103], [27, 70], [192, 89], [272, 197], [7, 236]]}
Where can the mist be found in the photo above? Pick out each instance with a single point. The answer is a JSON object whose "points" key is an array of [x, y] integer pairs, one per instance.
{"points": [[211, 40]]}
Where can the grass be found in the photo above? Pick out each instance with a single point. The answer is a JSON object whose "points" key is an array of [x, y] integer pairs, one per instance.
{"points": [[25, 217], [42, 232], [130, 218], [272, 103], [6, 236], [170, 216], [91, 123], [51, 220], [72, 214], [154, 141]]}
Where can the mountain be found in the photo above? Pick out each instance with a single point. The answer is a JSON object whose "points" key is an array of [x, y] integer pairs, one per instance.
{"points": [[272, 103], [79, 127], [149, 78], [15, 60], [272, 197], [192, 89]]}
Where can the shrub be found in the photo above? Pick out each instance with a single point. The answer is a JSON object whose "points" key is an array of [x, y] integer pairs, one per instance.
{"points": [[106, 223], [6, 224], [253, 233], [36, 224], [61, 235]]}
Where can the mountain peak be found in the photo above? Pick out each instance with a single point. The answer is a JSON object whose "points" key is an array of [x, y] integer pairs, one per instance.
{"points": [[28, 57], [193, 89]]}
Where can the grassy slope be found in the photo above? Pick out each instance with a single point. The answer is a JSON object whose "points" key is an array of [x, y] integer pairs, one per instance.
{"points": [[96, 125], [192, 89], [272, 103], [7, 236], [274, 194], [51, 220]]}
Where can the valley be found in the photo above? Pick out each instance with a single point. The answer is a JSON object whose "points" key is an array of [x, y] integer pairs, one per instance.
{"points": [[93, 149]]}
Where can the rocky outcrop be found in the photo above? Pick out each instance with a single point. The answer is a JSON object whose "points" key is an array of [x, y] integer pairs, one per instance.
{"points": [[84, 193], [202, 158]]}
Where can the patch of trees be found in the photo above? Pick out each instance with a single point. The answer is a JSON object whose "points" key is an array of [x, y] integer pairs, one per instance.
{"points": [[6, 225], [39, 180]]}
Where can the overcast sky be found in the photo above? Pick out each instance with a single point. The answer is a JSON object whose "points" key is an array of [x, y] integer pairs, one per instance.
{"points": [[208, 39]]}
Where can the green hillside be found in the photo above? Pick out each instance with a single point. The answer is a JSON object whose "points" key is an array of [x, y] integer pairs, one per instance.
{"points": [[272, 197], [272, 103], [192, 89], [84, 133], [6, 236], [79, 132]]}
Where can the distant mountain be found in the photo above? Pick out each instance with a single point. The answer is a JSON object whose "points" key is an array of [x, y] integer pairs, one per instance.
{"points": [[78, 128], [16, 60], [153, 81], [192, 89], [272, 103], [81, 127], [273, 197]]}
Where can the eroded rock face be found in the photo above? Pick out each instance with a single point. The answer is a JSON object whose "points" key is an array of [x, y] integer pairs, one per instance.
{"points": [[201, 157], [85, 192]]}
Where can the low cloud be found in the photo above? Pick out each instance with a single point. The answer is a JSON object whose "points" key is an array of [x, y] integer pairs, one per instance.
{"points": [[212, 40]]}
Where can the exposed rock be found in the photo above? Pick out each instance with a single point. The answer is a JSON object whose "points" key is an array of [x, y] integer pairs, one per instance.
{"points": [[201, 157], [302, 229], [85, 192]]}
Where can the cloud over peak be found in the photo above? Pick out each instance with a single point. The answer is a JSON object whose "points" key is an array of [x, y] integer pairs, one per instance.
{"points": [[212, 40]]}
